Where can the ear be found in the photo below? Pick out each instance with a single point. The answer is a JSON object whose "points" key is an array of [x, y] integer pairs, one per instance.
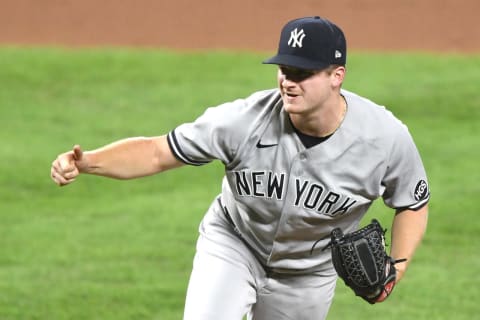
{"points": [[338, 74]]}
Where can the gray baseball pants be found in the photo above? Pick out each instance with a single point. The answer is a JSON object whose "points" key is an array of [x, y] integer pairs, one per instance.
{"points": [[228, 282]]}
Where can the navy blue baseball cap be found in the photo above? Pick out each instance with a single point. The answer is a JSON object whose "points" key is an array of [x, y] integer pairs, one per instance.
{"points": [[311, 43]]}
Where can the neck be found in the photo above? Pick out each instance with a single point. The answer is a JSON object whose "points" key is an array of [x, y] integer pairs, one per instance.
{"points": [[324, 121]]}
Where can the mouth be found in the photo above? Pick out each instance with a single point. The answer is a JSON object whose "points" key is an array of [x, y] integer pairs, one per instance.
{"points": [[290, 95]]}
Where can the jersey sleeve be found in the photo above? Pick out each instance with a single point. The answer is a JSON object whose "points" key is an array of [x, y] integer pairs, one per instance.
{"points": [[405, 181], [217, 134]]}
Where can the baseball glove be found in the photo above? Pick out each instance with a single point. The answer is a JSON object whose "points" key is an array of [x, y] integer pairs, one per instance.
{"points": [[362, 263]]}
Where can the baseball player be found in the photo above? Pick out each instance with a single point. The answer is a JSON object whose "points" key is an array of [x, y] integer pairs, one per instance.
{"points": [[300, 160]]}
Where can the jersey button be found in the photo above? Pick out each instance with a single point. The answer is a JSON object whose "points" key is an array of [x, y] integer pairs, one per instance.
{"points": [[303, 157]]}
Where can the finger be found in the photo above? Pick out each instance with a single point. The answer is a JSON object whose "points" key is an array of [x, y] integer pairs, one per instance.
{"points": [[71, 174], [55, 166], [77, 153], [56, 170], [65, 183], [59, 179], [66, 162], [59, 174]]}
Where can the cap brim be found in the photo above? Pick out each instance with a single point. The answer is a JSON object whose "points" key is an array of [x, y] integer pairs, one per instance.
{"points": [[296, 62]]}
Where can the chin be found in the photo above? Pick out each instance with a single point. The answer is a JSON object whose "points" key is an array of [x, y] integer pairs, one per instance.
{"points": [[291, 107]]}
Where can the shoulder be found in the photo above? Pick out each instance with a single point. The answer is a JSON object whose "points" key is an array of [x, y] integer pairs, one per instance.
{"points": [[259, 101], [249, 110], [370, 120], [256, 100], [264, 96]]}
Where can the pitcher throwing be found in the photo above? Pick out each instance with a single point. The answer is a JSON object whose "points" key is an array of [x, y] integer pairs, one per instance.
{"points": [[300, 160]]}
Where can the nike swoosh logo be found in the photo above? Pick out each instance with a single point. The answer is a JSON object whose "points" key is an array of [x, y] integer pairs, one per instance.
{"points": [[260, 145]]}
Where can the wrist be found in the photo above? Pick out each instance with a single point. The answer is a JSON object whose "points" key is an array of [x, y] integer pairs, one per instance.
{"points": [[84, 164], [400, 269]]}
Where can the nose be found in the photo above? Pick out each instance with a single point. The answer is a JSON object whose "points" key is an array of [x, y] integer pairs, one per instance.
{"points": [[286, 82]]}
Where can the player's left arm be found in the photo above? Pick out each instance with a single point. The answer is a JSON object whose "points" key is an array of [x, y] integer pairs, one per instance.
{"points": [[408, 229]]}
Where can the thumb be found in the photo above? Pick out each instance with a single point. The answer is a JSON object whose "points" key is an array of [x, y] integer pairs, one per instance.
{"points": [[77, 153]]}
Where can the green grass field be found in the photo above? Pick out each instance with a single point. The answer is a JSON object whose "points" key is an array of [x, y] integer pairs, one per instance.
{"points": [[105, 249]]}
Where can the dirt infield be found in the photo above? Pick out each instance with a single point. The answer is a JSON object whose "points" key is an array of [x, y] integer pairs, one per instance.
{"points": [[426, 25]]}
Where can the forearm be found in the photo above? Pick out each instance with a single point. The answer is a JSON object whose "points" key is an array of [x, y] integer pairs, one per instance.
{"points": [[407, 232], [130, 158]]}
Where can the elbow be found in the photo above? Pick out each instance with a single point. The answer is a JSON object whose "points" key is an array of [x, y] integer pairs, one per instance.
{"points": [[163, 158]]}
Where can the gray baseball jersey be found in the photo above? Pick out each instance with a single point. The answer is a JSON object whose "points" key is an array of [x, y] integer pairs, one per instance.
{"points": [[282, 196]]}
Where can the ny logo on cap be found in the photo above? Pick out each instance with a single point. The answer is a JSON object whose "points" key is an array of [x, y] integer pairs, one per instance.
{"points": [[296, 38]]}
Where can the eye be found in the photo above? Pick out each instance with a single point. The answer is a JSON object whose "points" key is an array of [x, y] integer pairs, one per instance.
{"points": [[296, 74]]}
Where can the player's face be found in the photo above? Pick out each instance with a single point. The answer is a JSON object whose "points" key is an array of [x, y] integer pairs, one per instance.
{"points": [[305, 91]]}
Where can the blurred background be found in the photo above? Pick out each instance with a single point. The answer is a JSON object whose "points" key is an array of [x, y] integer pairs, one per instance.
{"points": [[91, 72], [432, 25]]}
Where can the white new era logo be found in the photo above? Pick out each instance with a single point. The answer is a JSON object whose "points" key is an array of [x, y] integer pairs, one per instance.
{"points": [[338, 54], [296, 38]]}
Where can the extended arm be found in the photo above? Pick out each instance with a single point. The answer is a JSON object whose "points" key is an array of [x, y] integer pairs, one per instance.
{"points": [[124, 159]]}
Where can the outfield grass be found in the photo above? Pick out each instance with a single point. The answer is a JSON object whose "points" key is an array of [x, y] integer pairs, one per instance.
{"points": [[105, 249]]}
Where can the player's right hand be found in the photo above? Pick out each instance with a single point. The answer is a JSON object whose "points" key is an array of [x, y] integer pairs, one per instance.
{"points": [[67, 166]]}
